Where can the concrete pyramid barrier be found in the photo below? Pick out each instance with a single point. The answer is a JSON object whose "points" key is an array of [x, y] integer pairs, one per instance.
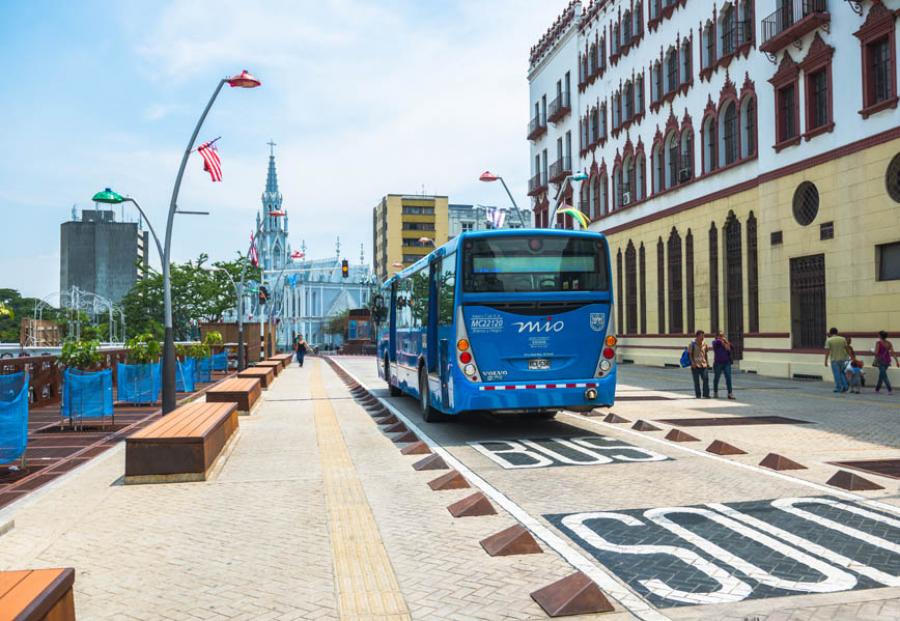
{"points": [[432, 462], [853, 482], [615, 418], [513, 540], [643, 425], [723, 448], [575, 594], [677, 435], [450, 480], [416, 448], [471, 506], [775, 461]]}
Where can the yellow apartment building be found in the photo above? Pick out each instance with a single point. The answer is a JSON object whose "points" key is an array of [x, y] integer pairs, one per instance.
{"points": [[406, 227]]}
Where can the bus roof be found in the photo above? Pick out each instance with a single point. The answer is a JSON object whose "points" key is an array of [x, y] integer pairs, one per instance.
{"points": [[452, 245]]}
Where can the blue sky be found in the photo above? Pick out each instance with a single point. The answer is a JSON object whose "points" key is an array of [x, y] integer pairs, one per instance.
{"points": [[363, 98]]}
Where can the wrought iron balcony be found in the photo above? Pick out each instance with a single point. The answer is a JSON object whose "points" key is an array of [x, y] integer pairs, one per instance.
{"points": [[536, 127], [792, 20], [560, 169], [536, 185], [559, 107]]}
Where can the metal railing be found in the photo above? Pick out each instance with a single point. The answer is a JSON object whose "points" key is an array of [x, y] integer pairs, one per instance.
{"points": [[559, 106], [789, 13], [560, 168], [536, 184], [536, 127]]}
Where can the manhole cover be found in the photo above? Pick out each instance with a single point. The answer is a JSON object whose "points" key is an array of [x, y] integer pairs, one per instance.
{"points": [[884, 467], [728, 421]]}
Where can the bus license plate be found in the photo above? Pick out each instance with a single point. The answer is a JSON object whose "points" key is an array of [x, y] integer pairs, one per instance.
{"points": [[538, 364]]}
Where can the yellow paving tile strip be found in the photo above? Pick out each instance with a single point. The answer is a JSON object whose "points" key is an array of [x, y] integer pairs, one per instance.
{"points": [[366, 584]]}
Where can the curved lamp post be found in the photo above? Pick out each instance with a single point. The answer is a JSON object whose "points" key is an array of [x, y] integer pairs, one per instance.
{"points": [[242, 80], [576, 194], [489, 177]]}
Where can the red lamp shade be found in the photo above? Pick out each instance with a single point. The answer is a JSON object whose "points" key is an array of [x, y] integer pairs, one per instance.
{"points": [[243, 80], [276, 214], [488, 176]]}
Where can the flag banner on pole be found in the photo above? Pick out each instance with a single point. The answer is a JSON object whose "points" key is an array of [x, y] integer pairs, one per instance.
{"points": [[576, 215], [253, 255], [211, 162], [297, 254], [496, 217]]}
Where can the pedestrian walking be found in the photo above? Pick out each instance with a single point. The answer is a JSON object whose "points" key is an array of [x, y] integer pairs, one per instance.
{"points": [[853, 369], [836, 351], [698, 352], [300, 347], [722, 359], [884, 353]]}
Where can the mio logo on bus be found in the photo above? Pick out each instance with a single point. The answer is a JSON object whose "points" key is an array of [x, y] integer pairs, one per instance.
{"points": [[725, 553], [590, 450]]}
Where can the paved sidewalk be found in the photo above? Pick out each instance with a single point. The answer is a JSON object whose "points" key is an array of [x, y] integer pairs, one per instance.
{"points": [[313, 514]]}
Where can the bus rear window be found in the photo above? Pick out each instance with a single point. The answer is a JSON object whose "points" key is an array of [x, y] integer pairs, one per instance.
{"points": [[535, 264]]}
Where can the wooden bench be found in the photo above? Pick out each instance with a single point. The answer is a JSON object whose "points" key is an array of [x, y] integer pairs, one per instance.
{"points": [[264, 374], [285, 359], [245, 392], [275, 365], [37, 595], [182, 445]]}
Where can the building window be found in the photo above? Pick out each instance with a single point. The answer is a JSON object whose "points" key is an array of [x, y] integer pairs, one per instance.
{"points": [[892, 178], [729, 144], [659, 172], [671, 70], [709, 144], [713, 278], [640, 177], [752, 275], [629, 101], [661, 286], [686, 62], [619, 287], [672, 160], [676, 301], [826, 231], [642, 266], [818, 96], [709, 46], [748, 127], [728, 31], [626, 28], [631, 310], [888, 260], [879, 63], [817, 66], [689, 279], [806, 203], [787, 104], [686, 163]]}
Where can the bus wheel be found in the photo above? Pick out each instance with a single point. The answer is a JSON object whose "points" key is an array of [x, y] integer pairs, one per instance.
{"points": [[546, 415], [392, 390], [429, 414]]}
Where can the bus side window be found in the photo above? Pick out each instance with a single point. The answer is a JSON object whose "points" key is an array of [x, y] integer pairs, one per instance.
{"points": [[418, 298], [446, 287]]}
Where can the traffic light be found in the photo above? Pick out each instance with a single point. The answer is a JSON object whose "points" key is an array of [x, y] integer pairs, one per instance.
{"points": [[345, 268], [263, 294]]}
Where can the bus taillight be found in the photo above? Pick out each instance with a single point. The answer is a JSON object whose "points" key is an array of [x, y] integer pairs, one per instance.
{"points": [[611, 341], [462, 345], [465, 357], [609, 353]]}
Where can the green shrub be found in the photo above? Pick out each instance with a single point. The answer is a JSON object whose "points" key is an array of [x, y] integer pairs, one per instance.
{"points": [[82, 355], [143, 348], [213, 337], [199, 350]]}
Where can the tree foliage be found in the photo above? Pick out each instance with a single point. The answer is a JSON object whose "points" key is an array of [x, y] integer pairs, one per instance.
{"points": [[17, 308], [198, 294]]}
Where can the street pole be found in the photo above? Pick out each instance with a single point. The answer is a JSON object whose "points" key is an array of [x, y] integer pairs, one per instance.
{"points": [[579, 177], [513, 201], [168, 371]]}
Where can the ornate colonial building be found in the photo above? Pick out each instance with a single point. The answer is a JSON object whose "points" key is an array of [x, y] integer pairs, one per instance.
{"points": [[272, 223], [743, 158]]}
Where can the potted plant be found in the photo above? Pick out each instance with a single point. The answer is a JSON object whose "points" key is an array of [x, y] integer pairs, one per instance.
{"points": [[219, 357], [200, 354], [87, 389], [139, 380]]}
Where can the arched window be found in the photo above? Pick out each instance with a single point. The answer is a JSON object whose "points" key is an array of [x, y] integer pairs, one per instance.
{"points": [[686, 164], [728, 143], [661, 286], [627, 26], [642, 278], [640, 177], [709, 144], [656, 83], [631, 288], [745, 22], [676, 300], [672, 149], [615, 39], [709, 46], [752, 275], [713, 278], [619, 286], [727, 30], [617, 187], [627, 181], [659, 169], [603, 189], [748, 126], [639, 94], [638, 25], [686, 61], [689, 279], [629, 101], [595, 197], [587, 207], [671, 70]]}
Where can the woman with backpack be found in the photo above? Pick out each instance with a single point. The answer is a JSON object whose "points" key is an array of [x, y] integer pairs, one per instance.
{"points": [[884, 353]]}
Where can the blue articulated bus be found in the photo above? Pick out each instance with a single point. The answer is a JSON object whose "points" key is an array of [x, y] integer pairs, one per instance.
{"points": [[509, 321]]}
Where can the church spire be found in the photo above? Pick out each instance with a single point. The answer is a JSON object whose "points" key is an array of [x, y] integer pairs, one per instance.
{"points": [[272, 177]]}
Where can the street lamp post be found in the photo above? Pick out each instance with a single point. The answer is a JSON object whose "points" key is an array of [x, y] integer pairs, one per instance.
{"points": [[243, 80], [489, 177], [579, 177]]}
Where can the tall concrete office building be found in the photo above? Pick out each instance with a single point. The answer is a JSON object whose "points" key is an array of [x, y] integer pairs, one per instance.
{"points": [[100, 255], [405, 228]]}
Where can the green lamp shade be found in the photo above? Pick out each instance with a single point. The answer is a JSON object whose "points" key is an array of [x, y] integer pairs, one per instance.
{"points": [[108, 196]]}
